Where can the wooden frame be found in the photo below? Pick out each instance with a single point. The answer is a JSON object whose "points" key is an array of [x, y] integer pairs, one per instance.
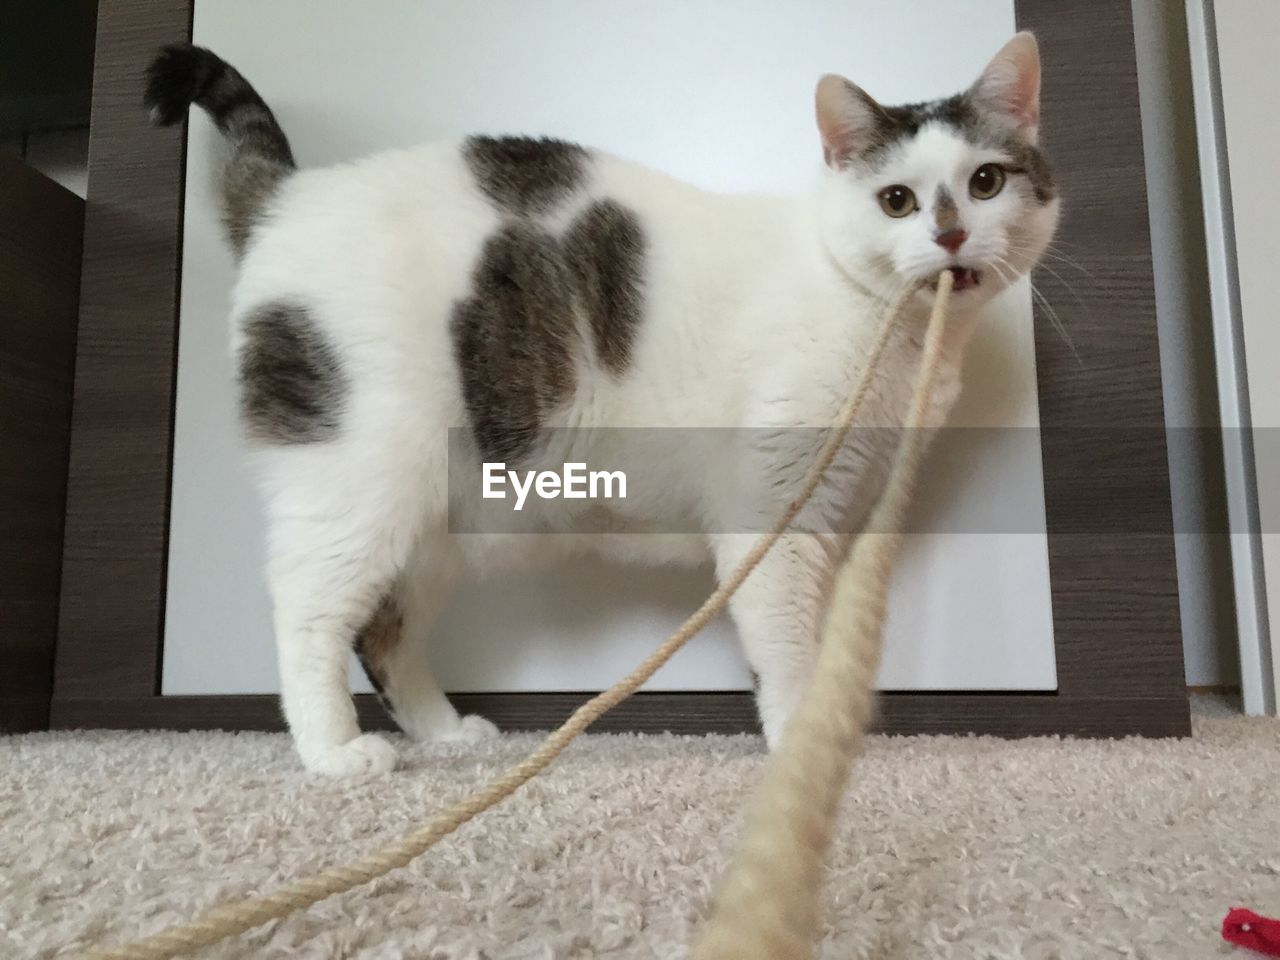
{"points": [[1115, 603]]}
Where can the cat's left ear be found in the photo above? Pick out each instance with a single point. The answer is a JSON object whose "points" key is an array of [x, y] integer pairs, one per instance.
{"points": [[847, 119], [1010, 85]]}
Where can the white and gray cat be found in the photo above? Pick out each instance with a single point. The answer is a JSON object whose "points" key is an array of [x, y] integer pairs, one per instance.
{"points": [[508, 287]]}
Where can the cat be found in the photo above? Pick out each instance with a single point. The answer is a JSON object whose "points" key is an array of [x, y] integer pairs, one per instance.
{"points": [[533, 294]]}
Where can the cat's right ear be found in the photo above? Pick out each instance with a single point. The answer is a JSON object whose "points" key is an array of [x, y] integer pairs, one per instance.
{"points": [[847, 119]]}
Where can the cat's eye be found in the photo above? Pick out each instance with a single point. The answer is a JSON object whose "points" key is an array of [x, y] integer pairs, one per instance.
{"points": [[987, 181], [897, 201]]}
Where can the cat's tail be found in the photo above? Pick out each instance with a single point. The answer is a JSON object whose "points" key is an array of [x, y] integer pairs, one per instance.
{"points": [[260, 159]]}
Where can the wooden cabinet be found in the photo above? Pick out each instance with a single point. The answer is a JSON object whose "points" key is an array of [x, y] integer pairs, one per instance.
{"points": [[41, 229]]}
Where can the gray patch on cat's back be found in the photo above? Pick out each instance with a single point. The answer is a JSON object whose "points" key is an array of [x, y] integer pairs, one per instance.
{"points": [[604, 249], [514, 338], [292, 386], [523, 175]]}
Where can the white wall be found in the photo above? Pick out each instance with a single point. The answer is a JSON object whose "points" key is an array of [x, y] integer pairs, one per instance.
{"points": [[717, 92]]}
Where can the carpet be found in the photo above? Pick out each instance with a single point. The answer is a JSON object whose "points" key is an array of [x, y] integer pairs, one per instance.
{"points": [[948, 847]]}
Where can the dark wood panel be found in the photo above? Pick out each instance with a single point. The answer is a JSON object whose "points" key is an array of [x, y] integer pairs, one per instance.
{"points": [[995, 714], [1117, 627], [118, 493], [23, 714], [41, 233], [645, 712]]}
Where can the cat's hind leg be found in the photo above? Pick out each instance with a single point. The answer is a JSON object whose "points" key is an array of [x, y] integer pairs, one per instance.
{"points": [[325, 592], [394, 651], [341, 530]]}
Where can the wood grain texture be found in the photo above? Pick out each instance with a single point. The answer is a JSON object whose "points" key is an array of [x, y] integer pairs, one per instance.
{"points": [[1119, 653], [1117, 629], [41, 233], [118, 492], [993, 714]]}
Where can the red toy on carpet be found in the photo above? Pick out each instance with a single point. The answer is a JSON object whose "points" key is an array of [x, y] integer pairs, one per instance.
{"points": [[1245, 928]]}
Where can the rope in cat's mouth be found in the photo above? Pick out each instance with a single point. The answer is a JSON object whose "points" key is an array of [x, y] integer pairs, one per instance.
{"points": [[767, 906]]}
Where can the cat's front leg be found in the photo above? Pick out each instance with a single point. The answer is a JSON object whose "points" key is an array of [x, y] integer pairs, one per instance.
{"points": [[778, 611]]}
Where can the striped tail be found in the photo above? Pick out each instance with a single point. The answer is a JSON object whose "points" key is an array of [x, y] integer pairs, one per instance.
{"points": [[260, 156]]}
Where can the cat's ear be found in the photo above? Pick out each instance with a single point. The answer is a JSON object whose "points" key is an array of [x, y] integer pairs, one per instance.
{"points": [[847, 119], [1010, 85]]}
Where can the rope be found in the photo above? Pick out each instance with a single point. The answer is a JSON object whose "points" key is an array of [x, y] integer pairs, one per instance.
{"points": [[230, 919], [767, 907]]}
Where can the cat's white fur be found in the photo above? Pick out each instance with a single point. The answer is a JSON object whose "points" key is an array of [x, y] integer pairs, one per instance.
{"points": [[757, 312]]}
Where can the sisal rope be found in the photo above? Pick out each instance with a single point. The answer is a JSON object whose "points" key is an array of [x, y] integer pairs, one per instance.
{"points": [[767, 907], [230, 919]]}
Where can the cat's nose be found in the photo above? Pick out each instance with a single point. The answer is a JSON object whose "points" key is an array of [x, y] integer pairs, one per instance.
{"points": [[951, 240]]}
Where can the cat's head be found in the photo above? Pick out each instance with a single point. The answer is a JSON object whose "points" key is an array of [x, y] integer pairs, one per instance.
{"points": [[958, 183]]}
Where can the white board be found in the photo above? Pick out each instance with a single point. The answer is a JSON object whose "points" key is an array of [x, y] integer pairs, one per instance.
{"points": [[719, 93]]}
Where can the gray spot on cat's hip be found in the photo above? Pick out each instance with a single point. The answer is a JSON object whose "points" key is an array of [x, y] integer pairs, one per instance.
{"points": [[292, 386]]}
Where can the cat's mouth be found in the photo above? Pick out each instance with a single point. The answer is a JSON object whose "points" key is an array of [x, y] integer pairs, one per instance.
{"points": [[966, 278]]}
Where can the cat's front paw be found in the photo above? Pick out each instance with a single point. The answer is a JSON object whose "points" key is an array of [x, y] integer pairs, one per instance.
{"points": [[366, 754], [472, 728]]}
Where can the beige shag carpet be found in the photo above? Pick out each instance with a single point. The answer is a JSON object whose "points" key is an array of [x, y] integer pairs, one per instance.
{"points": [[948, 847]]}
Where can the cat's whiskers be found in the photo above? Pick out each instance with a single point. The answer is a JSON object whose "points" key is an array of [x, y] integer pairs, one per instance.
{"points": [[1062, 280], [1000, 264], [1056, 321], [1065, 284], [1068, 261], [1053, 252]]}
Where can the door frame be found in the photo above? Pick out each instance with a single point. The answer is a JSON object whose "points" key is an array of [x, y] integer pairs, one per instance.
{"points": [[1114, 590], [1259, 663]]}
